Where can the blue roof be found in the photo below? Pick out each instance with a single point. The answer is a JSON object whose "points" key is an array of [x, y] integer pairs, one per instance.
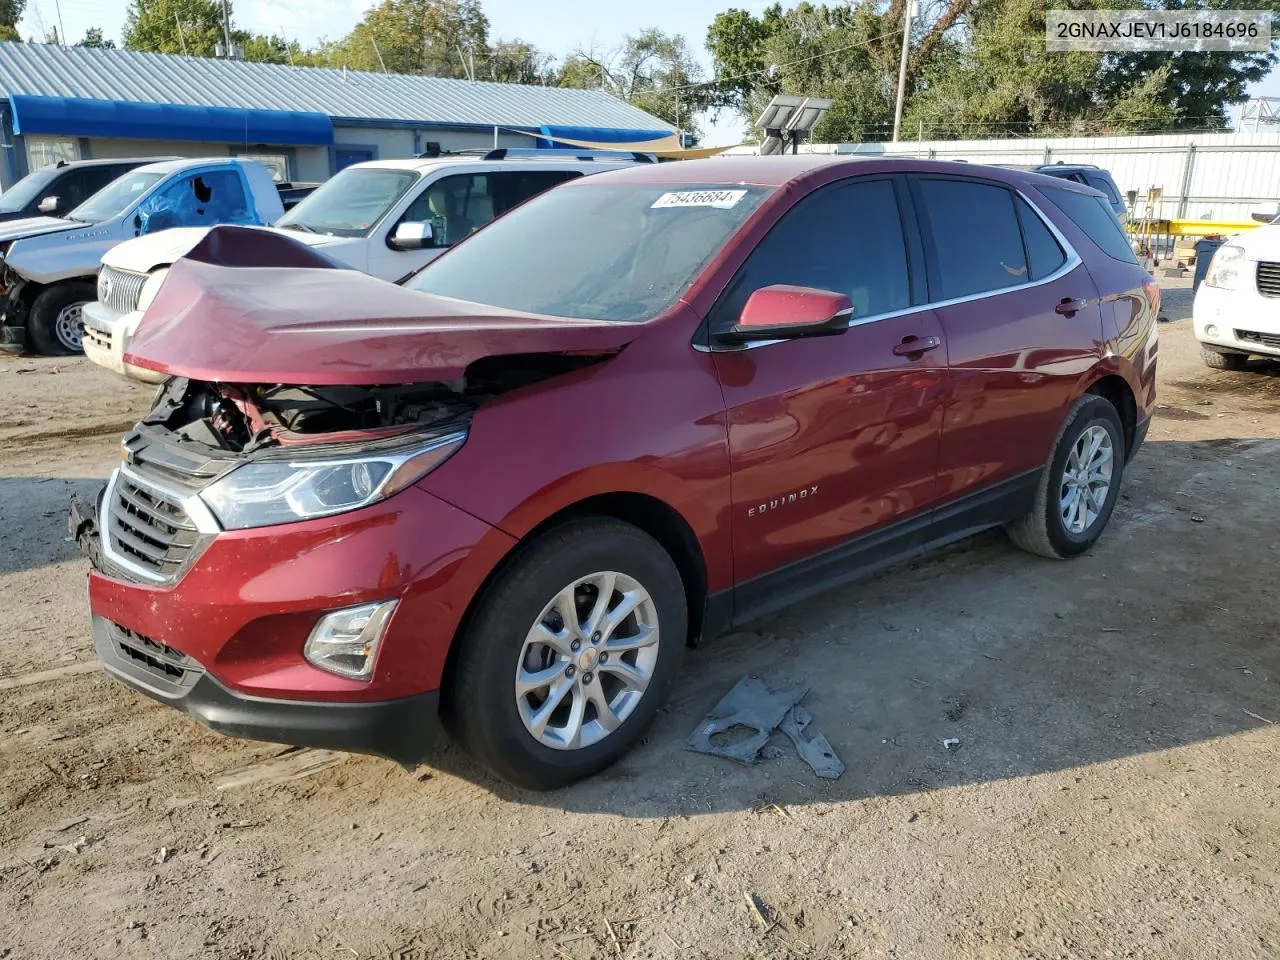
{"points": [[84, 73]]}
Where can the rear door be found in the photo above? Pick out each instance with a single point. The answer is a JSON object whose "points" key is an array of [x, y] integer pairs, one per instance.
{"points": [[832, 437], [1022, 323]]}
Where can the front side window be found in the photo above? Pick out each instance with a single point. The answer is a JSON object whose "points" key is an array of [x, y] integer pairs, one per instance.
{"points": [[33, 186], [1098, 221], [455, 207], [846, 238], [350, 203], [115, 198], [607, 251], [976, 240]]}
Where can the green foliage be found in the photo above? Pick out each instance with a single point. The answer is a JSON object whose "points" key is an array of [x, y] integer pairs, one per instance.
{"points": [[174, 26], [93, 38], [10, 13], [514, 61], [439, 38]]}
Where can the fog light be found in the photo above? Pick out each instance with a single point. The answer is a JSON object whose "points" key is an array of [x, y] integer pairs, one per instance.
{"points": [[1210, 331], [345, 642]]}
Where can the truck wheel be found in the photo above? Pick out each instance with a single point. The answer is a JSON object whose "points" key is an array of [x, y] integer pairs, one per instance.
{"points": [[1223, 361], [54, 324], [1079, 485], [570, 654]]}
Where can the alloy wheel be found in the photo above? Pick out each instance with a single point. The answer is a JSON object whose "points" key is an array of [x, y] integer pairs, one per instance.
{"points": [[1086, 479], [587, 660]]}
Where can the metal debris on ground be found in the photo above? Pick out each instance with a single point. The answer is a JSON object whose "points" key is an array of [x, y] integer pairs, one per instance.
{"points": [[757, 710], [951, 743]]}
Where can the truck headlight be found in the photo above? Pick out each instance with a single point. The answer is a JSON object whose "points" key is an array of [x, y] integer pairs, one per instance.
{"points": [[266, 492], [1227, 268], [150, 288]]}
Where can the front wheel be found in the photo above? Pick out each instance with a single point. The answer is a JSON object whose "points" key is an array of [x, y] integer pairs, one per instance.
{"points": [[1079, 486], [1220, 360], [570, 654], [55, 323]]}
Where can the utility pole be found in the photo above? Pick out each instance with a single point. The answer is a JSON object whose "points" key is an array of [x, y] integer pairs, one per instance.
{"points": [[908, 11], [62, 31], [226, 27], [181, 38]]}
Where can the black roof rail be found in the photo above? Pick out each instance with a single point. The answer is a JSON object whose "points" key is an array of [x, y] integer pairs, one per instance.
{"points": [[534, 153]]}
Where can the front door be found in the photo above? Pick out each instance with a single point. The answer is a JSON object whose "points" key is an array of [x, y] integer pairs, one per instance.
{"points": [[831, 438]]}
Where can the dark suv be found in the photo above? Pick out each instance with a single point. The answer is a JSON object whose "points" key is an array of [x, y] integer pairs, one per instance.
{"points": [[1090, 176], [53, 191], [642, 406]]}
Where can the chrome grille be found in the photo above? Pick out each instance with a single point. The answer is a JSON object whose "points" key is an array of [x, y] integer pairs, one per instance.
{"points": [[148, 528], [120, 290], [1268, 277]]}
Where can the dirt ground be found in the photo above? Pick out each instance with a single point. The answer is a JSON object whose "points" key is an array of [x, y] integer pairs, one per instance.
{"points": [[1113, 794]]}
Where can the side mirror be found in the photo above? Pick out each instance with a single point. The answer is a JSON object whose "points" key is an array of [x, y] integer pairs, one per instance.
{"points": [[412, 235], [1266, 213], [49, 204], [786, 312]]}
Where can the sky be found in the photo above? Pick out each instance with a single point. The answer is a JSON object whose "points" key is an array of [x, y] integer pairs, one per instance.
{"points": [[556, 26]]}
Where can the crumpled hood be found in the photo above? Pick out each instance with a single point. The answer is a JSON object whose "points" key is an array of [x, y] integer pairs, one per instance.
{"points": [[35, 227], [305, 321]]}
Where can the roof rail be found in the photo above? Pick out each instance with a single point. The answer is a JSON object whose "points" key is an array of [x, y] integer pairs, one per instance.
{"points": [[535, 153]]}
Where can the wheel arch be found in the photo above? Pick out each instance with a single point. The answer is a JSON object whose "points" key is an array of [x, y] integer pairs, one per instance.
{"points": [[1115, 389]]}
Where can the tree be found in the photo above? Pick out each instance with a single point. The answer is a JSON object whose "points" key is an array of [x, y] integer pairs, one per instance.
{"points": [[192, 27], [652, 70], [514, 61], [10, 13], [439, 38], [93, 38]]}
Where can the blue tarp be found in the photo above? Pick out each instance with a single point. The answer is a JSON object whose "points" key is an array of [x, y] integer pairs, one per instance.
{"points": [[598, 135], [70, 116]]}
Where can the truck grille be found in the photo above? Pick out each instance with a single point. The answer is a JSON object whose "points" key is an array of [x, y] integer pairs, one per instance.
{"points": [[1268, 278], [120, 290], [1265, 339], [148, 528]]}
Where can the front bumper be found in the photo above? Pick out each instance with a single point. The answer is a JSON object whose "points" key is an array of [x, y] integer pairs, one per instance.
{"points": [[106, 340], [1237, 320], [405, 730]]}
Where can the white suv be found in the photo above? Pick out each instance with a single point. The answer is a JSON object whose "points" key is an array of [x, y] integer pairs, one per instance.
{"points": [[387, 218], [1237, 307]]}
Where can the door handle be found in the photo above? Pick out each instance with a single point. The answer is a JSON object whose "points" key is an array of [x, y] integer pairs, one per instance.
{"points": [[914, 346], [1069, 307]]}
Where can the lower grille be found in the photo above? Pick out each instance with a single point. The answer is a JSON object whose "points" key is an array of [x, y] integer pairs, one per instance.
{"points": [[157, 665], [99, 338], [1265, 339], [148, 528], [120, 290]]}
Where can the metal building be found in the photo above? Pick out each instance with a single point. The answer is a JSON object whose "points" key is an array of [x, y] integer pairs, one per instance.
{"points": [[304, 122]]}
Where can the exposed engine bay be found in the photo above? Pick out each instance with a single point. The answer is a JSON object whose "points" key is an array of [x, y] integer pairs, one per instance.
{"points": [[242, 418]]}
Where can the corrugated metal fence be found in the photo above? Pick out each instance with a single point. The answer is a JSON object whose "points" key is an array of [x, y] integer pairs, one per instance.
{"points": [[1215, 176]]}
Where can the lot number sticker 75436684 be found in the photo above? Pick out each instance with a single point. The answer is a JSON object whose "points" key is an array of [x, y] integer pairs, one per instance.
{"points": [[724, 199]]}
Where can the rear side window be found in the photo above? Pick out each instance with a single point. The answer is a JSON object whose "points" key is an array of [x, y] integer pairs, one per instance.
{"points": [[846, 238], [1044, 254], [1103, 184], [1096, 219], [976, 239]]}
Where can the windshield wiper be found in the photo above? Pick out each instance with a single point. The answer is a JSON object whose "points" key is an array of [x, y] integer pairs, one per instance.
{"points": [[298, 226]]}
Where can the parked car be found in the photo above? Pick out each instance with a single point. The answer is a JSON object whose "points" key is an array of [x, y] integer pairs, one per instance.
{"points": [[1088, 175], [386, 218], [638, 409], [1236, 312], [50, 262], [55, 190]]}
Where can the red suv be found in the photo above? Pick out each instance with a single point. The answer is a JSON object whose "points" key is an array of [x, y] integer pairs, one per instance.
{"points": [[640, 408]]}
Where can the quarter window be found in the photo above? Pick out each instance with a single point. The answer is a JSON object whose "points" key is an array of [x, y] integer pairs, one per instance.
{"points": [[846, 238], [1092, 215], [975, 234]]}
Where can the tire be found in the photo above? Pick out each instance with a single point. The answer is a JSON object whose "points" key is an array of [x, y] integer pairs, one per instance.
{"points": [[1223, 361], [490, 715], [1045, 531], [47, 322]]}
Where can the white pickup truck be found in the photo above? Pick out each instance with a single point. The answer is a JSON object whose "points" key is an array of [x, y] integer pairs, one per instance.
{"points": [[387, 218]]}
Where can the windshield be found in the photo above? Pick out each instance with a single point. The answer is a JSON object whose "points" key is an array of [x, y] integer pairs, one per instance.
{"points": [[26, 190], [351, 203], [602, 251], [114, 198]]}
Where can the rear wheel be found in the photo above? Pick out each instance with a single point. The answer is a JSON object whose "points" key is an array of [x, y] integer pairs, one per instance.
{"points": [[1223, 361], [1079, 485], [55, 323], [570, 654]]}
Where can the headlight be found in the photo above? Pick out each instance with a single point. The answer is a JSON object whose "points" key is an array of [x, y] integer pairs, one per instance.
{"points": [[263, 493], [1227, 268], [151, 288]]}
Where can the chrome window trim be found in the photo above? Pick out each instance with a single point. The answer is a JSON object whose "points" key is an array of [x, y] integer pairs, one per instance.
{"points": [[1068, 265], [203, 518]]}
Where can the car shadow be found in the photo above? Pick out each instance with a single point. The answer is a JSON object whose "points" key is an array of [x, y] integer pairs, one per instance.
{"points": [[1154, 640], [33, 519]]}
